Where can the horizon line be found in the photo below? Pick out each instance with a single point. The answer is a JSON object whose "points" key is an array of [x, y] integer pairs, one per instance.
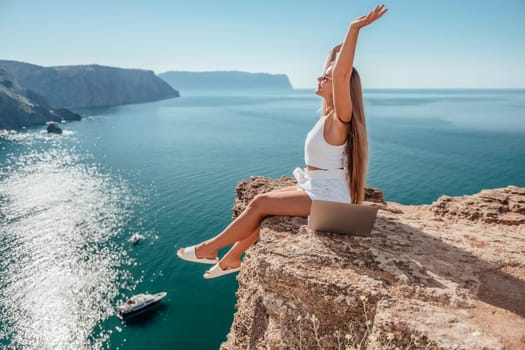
{"points": [[259, 72], [428, 88]]}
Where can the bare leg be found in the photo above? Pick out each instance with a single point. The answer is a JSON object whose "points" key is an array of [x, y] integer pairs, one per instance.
{"points": [[289, 188], [285, 202], [232, 259]]}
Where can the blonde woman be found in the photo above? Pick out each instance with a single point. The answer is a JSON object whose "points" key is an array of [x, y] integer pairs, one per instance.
{"points": [[339, 134]]}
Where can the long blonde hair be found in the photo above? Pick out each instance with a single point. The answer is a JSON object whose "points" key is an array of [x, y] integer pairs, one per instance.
{"points": [[357, 141]]}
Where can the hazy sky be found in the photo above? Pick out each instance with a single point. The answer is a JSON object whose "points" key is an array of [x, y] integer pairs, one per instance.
{"points": [[417, 44]]}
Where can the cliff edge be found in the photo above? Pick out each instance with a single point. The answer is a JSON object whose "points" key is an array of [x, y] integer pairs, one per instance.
{"points": [[450, 275]]}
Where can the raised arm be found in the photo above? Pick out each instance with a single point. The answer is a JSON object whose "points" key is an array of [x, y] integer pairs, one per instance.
{"points": [[332, 54], [342, 70]]}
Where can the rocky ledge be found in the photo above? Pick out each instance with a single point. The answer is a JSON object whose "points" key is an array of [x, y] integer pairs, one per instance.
{"points": [[450, 275]]}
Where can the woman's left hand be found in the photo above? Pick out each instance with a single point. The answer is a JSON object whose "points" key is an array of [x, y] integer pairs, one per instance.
{"points": [[372, 16], [336, 48]]}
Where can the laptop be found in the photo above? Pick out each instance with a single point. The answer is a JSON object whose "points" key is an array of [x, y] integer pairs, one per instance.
{"points": [[357, 219]]}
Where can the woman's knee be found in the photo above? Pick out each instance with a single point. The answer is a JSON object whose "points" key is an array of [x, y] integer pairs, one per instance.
{"points": [[259, 204]]}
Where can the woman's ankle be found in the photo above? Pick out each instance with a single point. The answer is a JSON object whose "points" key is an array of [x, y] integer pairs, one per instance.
{"points": [[230, 262], [208, 249]]}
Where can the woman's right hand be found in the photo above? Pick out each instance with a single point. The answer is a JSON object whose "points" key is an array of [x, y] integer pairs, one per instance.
{"points": [[372, 16]]}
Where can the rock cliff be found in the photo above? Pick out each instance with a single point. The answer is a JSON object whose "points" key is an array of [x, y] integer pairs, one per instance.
{"points": [[21, 107], [450, 275], [89, 85]]}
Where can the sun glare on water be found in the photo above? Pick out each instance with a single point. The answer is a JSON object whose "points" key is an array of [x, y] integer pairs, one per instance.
{"points": [[60, 266]]}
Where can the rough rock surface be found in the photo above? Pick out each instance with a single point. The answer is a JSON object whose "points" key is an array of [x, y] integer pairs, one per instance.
{"points": [[450, 275], [502, 206]]}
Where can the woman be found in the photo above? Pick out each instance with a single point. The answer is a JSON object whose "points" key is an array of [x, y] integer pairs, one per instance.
{"points": [[341, 129]]}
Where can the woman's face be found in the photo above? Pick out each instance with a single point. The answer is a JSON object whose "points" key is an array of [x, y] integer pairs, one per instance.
{"points": [[324, 84]]}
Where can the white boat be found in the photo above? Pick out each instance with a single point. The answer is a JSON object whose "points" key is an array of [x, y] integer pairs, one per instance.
{"points": [[139, 303], [135, 238]]}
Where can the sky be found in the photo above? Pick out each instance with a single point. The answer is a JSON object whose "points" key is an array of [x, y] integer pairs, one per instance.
{"points": [[416, 44]]}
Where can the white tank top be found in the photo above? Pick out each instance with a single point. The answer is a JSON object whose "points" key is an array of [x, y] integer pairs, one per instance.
{"points": [[318, 152]]}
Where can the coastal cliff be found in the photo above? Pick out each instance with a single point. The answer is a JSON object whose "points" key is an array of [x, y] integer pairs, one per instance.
{"points": [[449, 275], [85, 86], [21, 107]]}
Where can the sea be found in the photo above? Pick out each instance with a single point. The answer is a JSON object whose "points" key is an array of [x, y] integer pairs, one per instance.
{"points": [[167, 170]]}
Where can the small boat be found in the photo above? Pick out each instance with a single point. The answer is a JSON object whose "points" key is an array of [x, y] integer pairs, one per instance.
{"points": [[135, 238], [139, 303]]}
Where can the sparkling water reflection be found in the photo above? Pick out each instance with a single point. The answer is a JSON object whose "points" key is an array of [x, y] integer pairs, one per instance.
{"points": [[60, 266]]}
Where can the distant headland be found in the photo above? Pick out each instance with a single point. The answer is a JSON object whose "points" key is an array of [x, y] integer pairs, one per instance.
{"points": [[226, 80], [33, 95]]}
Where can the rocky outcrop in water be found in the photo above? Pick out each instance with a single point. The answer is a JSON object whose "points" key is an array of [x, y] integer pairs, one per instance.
{"points": [[22, 107], [226, 80], [89, 85], [450, 275], [53, 128]]}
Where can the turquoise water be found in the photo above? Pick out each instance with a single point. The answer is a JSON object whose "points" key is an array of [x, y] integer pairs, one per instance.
{"points": [[168, 170]]}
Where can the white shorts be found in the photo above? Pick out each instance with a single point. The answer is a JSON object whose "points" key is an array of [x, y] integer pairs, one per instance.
{"points": [[325, 185]]}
